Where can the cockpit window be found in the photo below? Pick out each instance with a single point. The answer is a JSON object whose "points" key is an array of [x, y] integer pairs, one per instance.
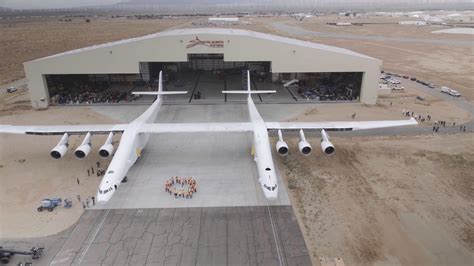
{"points": [[267, 169], [267, 187], [100, 191], [110, 172]]}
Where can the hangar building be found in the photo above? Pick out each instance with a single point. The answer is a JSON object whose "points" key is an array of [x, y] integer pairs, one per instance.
{"points": [[195, 56]]}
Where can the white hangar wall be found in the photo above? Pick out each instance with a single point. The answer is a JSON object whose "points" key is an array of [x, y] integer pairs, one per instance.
{"points": [[123, 57]]}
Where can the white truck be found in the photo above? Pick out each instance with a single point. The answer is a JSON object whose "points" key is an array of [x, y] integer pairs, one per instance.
{"points": [[451, 92]]}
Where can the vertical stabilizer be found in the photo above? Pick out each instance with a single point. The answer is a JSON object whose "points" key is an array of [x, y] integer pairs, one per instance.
{"points": [[160, 84]]}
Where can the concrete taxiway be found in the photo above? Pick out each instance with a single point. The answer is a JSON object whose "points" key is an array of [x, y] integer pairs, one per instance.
{"points": [[265, 235]]}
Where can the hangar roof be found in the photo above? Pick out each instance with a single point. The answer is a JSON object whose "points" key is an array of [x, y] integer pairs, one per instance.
{"points": [[219, 31]]}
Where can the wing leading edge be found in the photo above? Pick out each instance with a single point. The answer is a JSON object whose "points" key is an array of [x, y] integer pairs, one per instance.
{"points": [[338, 126], [61, 129]]}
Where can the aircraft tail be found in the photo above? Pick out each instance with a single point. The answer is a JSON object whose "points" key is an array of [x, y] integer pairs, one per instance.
{"points": [[249, 91], [160, 90]]}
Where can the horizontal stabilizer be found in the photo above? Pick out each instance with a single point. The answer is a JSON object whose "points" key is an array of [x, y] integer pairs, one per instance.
{"points": [[158, 93], [249, 92]]}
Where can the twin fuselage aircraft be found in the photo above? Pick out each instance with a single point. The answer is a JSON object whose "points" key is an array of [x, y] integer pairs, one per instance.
{"points": [[135, 136]]}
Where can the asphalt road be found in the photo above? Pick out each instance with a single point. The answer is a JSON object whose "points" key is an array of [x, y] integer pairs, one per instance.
{"points": [[298, 31]]}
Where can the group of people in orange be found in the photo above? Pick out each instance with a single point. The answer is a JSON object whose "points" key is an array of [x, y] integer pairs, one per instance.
{"points": [[188, 187]]}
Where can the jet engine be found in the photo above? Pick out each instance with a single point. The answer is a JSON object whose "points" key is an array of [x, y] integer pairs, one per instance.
{"points": [[60, 149], [108, 148], [83, 150], [303, 145], [281, 146], [327, 147]]}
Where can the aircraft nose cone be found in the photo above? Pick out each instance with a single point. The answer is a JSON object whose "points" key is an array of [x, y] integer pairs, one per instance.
{"points": [[104, 198]]}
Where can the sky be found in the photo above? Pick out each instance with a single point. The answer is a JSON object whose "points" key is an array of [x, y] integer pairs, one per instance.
{"points": [[33, 4]]}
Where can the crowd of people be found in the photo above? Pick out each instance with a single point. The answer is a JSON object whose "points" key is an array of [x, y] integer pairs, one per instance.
{"points": [[427, 118], [326, 93], [81, 92], [181, 187]]}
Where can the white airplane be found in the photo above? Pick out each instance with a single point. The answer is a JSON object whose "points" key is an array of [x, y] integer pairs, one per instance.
{"points": [[136, 134]]}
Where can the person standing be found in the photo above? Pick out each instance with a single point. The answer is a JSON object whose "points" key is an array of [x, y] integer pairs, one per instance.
{"points": [[93, 200], [79, 198], [78, 182], [88, 172]]}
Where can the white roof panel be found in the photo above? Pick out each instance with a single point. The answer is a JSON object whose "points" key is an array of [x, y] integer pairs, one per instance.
{"points": [[217, 31]]}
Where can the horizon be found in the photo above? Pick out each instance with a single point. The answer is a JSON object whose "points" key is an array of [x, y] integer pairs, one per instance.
{"points": [[185, 4]]}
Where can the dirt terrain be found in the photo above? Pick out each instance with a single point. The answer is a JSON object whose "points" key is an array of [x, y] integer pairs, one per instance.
{"points": [[387, 200], [29, 174], [26, 39]]}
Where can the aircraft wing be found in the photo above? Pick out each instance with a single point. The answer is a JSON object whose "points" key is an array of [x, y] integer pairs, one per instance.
{"points": [[61, 129], [196, 127], [338, 126]]}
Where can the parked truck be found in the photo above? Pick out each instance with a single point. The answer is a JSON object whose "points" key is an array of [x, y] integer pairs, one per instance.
{"points": [[451, 92]]}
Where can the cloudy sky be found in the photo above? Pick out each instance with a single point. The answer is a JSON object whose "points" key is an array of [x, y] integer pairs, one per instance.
{"points": [[22, 4]]}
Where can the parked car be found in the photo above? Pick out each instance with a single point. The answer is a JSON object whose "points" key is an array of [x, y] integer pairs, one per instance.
{"points": [[405, 77], [454, 93], [413, 79], [11, 89], [432, 86]]}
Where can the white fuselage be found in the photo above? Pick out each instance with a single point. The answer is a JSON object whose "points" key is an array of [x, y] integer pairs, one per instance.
{"points": [[130, 147], [262, 153], [132, 143]]}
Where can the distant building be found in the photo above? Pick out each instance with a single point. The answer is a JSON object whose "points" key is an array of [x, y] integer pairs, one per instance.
{"points": [[413, 22], [343, 24], [223, 20], [459, 18]]}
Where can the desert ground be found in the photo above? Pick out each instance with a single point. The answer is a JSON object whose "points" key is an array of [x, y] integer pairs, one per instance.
{"points": [[377, 201], [388, 200], [27, 39], [28, 173]]}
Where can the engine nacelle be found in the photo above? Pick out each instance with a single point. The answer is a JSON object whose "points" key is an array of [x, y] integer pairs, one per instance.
{"points": [[327, 147], [303, 145], [85, 148], [281, 146], [60, 149], [108, 148]]}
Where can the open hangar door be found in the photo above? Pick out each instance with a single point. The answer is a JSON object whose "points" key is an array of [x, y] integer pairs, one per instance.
{"points": [[92, 88], [326, 86], [204, 76]]}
